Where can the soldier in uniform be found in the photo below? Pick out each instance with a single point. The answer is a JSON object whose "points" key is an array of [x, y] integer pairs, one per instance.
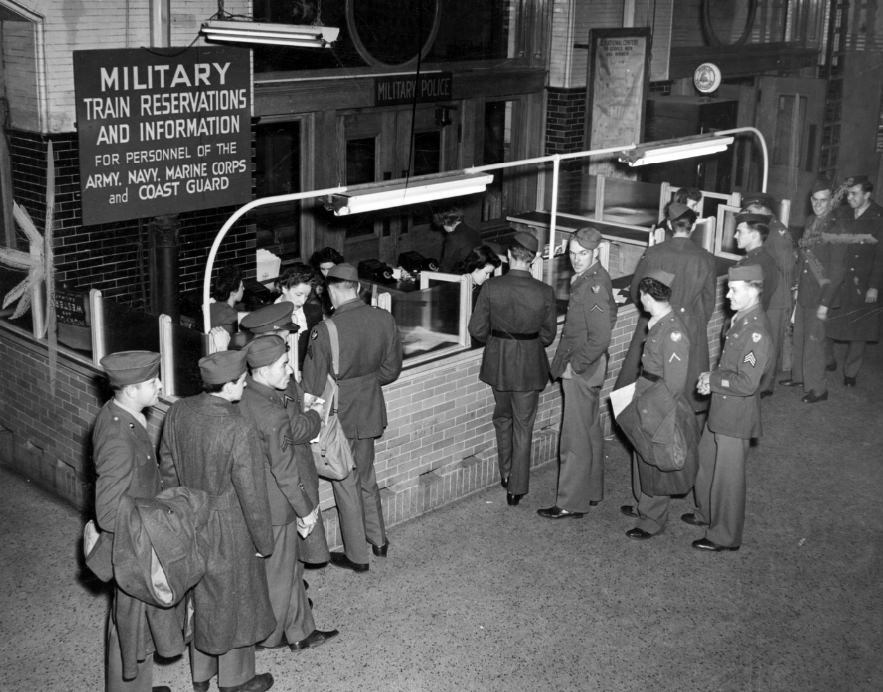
{"points": [[780, 244], [733, 416], [581, 363], [292, 510], [125, 464], [856, 319], [692, 299], [207, 445], [459, 239], [370, 357], [515, 318], [819, 273], [665, 359]]}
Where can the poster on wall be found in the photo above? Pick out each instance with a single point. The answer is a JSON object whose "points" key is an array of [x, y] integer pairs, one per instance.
{"points": [[616, 91], [162, 131]]}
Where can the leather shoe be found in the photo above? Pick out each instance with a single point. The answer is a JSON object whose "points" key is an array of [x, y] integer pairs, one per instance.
{"points": [[639, 534], [197, 686], [849, 382], [513, 499], [259, 683], [504, 482], [166, 688], [630, 511], [790, 383], [380, 550], [341, 560], [766, 393], [692, 519], [812, 397], [557, 512], [705, 544], [594, 503], [314, 639], [831, 367]]}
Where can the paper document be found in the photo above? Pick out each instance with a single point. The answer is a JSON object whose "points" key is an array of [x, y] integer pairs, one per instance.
{"points": [[620, 398]]}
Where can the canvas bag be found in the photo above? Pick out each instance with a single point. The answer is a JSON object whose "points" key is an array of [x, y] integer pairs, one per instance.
{"points": [[331, 450]]}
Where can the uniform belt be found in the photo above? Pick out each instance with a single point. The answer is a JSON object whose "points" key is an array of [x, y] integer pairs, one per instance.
{"points": [[650, 376], [514, 335]]}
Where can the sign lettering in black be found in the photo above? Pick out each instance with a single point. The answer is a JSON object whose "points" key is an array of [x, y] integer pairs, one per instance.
{"points": [[70, 307], [162, 131]]}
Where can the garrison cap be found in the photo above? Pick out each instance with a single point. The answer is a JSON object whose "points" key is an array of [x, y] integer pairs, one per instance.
{"points": [[676, 210], [269, 318], [761, 199], [130, 367], [221, 367], [526, 240], [748, 217], [588, 237], [498, 251], [343, 271], [265, 350], [745, 272], [662, 276], [857, 180], [820, 184]]}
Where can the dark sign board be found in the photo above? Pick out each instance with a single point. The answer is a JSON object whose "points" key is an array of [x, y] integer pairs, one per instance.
{"points": [[401, 89], [162, 131], [70, 307]]}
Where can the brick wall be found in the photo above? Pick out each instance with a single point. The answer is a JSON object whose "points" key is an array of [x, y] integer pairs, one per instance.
{"points": [[565, 120], [113, 257], [439, 445]]}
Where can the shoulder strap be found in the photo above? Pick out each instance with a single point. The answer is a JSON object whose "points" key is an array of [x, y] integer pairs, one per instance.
{"points": [[335, 347]]}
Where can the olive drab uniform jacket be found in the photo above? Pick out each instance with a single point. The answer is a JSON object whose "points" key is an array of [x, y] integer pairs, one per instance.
{"points": [[585, 337], [125, 464], [735, 383], [511, 308]]}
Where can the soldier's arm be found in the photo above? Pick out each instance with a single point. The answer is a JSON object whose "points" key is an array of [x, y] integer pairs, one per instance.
{"points": [[113, 465], [550, 322], [167, 471], [599, 326], [480, 321], [744, 380], [391, 365], [318, 361], [676, 351], [251, 486]]}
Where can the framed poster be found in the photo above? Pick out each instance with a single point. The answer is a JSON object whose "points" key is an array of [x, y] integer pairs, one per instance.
{"points": [[616, 89], [725, 233]]}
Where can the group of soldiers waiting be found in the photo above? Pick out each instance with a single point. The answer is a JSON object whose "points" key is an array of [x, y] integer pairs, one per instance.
{"points": [[690, 424]]}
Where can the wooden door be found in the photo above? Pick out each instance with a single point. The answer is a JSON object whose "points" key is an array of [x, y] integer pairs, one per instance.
{"points": [[790, 112], [383, 145]]}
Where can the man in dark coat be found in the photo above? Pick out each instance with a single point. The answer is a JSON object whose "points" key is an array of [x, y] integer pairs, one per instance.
{"points": [[819, 273], [515, 317], [581, 363], [263, 404], [459, 240], [370, 357], [692, 299], [208, 445], [733, 416], [856, 317], [665, 363], [125, 465]]}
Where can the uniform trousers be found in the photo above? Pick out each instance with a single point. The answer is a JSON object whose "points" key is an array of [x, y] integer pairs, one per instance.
{"points": [[653, 509], [359, 509], [581, 447], [285, 583], [808, 355], [720, 487], [855, 354], [779, 320], [113, 666], [514, 416], [233, 667]]}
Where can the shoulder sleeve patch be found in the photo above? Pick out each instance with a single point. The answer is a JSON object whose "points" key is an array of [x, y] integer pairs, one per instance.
{"points": [[756, 336], [676, 336]]}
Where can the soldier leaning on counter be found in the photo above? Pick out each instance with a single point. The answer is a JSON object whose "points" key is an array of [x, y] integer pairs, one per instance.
{"points": [[733, 415], [515, 317]]}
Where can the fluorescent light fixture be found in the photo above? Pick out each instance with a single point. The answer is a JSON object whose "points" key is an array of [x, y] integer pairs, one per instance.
{"points": [[267, 33], [675, 150], [414, 190]]}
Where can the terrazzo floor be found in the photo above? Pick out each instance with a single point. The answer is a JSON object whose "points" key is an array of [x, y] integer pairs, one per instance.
{"points": [[482, 596]]}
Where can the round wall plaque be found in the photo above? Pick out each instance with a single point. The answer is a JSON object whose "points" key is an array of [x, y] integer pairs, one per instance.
{"points": [[707, 77]]}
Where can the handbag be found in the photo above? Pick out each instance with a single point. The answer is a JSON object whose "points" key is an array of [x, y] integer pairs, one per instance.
{"points": [[331, 450]]}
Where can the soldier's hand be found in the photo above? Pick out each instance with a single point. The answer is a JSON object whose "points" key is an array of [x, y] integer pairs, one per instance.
{"points": [[871, 295], [822, 312], [305, 525]]}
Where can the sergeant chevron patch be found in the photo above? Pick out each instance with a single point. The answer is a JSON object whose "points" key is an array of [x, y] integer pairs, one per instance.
{"points": [[751, 359]]}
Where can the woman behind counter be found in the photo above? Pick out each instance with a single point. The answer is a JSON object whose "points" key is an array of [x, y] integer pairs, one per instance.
{"points": [[480, 264], [321, 261], [227, 291], [296, 285]]}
